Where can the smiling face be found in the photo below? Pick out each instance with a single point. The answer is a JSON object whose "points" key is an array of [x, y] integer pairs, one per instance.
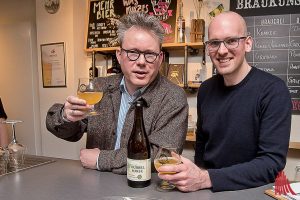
{"points": [[230, 63], [139, 73]]}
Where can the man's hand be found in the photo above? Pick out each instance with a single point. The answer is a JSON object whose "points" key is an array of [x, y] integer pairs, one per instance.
{"points": [[75, 109], [189, 177], [88, 157]]}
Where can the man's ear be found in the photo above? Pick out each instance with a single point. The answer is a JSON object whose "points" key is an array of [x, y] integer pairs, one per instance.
{"points": [[248, 43], [118, 54]]}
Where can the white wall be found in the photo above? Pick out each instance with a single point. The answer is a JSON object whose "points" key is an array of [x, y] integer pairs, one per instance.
{"points": [[18, 70], [60, 27]]}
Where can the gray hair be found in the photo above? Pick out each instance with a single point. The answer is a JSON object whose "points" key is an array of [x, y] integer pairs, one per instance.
{"points": [[140, 20]]}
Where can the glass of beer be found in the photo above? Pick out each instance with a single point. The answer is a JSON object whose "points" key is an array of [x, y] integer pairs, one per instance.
{"points": [[87, 90], [166, 156]]}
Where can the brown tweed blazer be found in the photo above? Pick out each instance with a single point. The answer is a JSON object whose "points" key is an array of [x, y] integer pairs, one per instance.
{"points": [[165, 118]]}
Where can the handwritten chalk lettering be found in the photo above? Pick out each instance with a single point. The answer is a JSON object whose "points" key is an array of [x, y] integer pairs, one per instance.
{"points": [[104, 9], [267, 69], [265, 57], [294, 66], [92, 26], [94, 46], [137, 8], [99, 24], [261, 32], [102, 39], [292, 91], [107, 32], [295, 44], [296, 104], [130, 2], [94, 32], [295, 28], [273, 21], [277, 45], [294, 54], [259, 45], [293, 80], [248, 4]]}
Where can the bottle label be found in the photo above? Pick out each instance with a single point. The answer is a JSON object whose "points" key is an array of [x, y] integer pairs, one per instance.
{"points": [[138, 170]]}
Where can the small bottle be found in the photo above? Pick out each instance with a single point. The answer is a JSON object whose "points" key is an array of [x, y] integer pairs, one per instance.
{"points": [[138, 151], [91, 74], [180, 25], [115, 68]]}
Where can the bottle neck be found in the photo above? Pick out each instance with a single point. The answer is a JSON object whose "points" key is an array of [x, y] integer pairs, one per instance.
{"points": [[181, 10], [138, 116]]}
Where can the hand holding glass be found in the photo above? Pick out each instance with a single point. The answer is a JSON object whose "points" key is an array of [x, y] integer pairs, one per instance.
{"points": [[166, 156], [87, 90]]}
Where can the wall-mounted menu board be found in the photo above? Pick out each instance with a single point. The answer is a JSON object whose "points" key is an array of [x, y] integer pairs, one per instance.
{"points": [[103, 16], [275, 27]]}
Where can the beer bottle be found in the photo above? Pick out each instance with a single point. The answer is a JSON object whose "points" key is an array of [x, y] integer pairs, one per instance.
{"points": [[180, 25], [93, 74], [138, 151]]}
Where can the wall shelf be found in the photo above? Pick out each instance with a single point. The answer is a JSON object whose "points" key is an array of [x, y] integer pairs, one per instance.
{"points": [[196, 45], [294, 145]]}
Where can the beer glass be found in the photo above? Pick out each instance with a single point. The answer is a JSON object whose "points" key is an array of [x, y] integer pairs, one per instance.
{"points": [[166, 156], [87, 90], [15, 149]]}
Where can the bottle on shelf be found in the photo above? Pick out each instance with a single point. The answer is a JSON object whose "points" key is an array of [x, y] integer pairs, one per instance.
{"points": [[180, 25], [115, 68], [138, 151], [93, 74]]}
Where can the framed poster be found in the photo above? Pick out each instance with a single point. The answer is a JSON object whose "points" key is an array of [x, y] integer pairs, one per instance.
{"points": [[53, 65], [175, 73]]}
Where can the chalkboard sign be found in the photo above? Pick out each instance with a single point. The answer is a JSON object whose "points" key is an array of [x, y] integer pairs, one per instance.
{"points": [[276, 47], [103, 16]]}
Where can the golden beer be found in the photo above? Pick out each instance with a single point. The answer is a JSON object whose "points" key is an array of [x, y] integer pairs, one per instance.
{"points": [[166, 161], [90, 97]]}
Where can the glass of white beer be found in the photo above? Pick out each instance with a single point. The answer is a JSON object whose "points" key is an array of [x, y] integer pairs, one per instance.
{"points": [[166, 156], [87, 90]]}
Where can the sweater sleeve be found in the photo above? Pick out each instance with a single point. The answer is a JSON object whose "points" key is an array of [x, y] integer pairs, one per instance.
{"points": [[70, 131], [274, 113]]}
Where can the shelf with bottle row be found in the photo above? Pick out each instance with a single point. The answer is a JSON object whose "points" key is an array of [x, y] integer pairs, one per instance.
{"points": [[294, 145], [165, 46], [187, 47]]}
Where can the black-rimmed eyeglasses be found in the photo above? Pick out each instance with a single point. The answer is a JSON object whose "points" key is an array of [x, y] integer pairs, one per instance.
{"points": [[230, 43], [133, 55]]}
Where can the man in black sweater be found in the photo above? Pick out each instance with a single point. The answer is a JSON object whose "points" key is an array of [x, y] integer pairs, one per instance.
{"points": [[244, 118]]}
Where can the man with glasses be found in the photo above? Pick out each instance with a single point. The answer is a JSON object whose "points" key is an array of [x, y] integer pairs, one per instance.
{"points": [[244, 118], [165, 115]]}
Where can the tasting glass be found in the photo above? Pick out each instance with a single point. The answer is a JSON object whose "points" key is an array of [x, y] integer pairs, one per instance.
{"points": [[87, 90], [166, 156], [16, 150]]}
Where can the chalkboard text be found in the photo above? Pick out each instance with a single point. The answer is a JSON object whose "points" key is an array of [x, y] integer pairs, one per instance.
{"points": [[248, 4]]}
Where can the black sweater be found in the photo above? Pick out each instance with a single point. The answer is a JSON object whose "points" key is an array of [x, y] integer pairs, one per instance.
{"points": [[243, 130]]}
